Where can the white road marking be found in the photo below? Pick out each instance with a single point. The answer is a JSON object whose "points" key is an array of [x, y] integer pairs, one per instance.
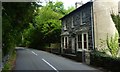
{"points": [[50, 65], [34, 53]]}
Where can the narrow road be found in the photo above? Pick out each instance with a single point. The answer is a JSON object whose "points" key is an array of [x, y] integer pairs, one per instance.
{"points": [[30, 59]]}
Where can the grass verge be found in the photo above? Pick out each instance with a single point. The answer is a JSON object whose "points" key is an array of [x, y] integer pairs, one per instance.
{"points": [[10, 63]]}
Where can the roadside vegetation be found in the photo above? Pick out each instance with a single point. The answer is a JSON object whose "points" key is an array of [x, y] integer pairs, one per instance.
{"points": [[9, 65]]}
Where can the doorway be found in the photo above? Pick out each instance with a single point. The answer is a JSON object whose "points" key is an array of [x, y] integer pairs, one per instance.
{"points": [[73, 45]]}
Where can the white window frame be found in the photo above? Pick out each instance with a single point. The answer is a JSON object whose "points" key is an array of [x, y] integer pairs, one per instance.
{"points": [[78, 41], [85, 41], [63, 42], [80, 49]]}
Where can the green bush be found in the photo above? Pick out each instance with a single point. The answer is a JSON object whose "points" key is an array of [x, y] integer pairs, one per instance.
{"points": [[113, 45], [100, 59]]}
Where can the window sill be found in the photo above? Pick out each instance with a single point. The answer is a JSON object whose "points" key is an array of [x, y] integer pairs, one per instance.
{"points": [[82, 50], [72, 27], [65, 29]]}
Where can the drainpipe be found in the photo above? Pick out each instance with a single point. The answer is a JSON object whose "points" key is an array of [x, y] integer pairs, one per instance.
{"points": [[92, 24]]}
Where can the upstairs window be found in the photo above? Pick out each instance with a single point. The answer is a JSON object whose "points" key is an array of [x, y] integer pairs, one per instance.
{"points": [[83, 15], [83, 18], [72, 26], [64, 25]]}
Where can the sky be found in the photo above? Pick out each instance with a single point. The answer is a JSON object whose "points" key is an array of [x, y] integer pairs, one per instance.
{"points": [[69, 3]]}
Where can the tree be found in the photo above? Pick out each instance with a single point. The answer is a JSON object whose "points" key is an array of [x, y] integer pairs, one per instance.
{"points": [[47, 26], [15, 18], [116, 20], [59, 7], [112, 44]]}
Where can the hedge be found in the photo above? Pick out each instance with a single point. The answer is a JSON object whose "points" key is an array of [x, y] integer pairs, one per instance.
{"points": [[102, 60]]}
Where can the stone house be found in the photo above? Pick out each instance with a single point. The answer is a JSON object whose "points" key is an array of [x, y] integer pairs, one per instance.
{"points": [[77, 29], [87, 27]]}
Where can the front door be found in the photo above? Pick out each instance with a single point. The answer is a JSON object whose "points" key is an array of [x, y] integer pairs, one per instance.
{"points": [[73, 45]]}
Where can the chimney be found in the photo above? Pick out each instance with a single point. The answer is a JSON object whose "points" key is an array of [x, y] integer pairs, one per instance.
{"points": [[78, 4]]}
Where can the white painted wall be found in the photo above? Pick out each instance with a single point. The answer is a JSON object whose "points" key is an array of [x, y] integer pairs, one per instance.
{"points": [[103, 23], [119, 7]]}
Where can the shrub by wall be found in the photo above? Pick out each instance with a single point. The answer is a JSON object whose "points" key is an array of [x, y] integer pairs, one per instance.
{"points": [[100, 59]]}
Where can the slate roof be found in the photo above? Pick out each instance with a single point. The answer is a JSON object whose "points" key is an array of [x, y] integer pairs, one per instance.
{"points": [[78, 9]]}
